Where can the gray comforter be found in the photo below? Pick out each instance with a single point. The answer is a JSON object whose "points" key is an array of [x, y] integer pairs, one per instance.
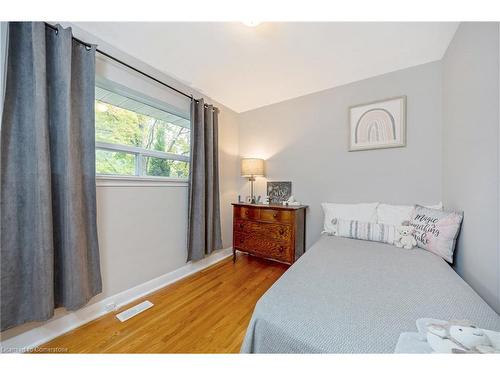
{"points": [[352, 296]]}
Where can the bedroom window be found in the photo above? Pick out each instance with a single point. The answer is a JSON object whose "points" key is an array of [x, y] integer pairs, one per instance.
{"points": [[138, 139]]}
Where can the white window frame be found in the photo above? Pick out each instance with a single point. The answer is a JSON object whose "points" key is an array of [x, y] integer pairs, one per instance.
{"points": [[138, 179], [139, 153]]}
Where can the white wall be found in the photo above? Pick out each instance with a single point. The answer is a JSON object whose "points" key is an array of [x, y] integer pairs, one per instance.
{"points": [[142, 226], [305, 141], [471, 152]]}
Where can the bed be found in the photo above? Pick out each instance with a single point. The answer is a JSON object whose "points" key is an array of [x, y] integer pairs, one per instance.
{"points": [[353, 296]]}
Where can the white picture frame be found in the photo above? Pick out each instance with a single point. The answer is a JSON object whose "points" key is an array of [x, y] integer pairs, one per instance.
{"points": [[379, 124]]}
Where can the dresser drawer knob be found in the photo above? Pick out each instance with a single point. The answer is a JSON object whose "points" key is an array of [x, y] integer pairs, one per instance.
{"points": [[275, 215], [281, 249], [241, 225], [282, 231]]}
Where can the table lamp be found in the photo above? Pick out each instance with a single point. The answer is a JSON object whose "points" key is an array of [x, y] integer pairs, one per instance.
{"points": [[252, 167]]}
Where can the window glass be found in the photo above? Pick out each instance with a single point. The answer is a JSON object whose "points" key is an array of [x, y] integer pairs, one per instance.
{"points": [[115, 163], [127, 129]]}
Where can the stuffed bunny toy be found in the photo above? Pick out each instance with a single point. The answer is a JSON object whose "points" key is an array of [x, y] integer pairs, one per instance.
{"points": [[459, 337], [404, 237]]}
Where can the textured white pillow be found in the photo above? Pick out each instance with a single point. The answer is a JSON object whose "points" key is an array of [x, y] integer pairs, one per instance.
{"points": [[366, 212], [392, 214]]}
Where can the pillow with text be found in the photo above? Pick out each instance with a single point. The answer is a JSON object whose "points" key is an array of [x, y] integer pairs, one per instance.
{"points": [[436, 231]]}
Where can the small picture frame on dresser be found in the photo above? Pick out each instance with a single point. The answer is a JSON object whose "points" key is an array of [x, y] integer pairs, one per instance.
{"points": [[279, 191]]}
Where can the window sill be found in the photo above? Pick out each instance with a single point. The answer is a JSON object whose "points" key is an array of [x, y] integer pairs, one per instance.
{"points": [[136, 181]]}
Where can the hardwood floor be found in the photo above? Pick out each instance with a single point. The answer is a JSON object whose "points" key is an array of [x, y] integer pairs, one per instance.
{"points": [[207, 312]]}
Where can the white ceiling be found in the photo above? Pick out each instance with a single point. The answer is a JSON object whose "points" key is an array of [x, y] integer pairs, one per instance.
{"points": [[246, 68]]}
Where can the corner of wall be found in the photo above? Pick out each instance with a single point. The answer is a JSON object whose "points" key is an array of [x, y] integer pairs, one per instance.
{"points": [[471, 159]]}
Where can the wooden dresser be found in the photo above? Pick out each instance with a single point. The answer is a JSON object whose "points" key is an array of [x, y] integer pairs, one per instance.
{"points": [[269, 231]]}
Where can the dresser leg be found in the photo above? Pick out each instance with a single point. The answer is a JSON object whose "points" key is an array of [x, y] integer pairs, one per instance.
{"points": [[234, 256]]}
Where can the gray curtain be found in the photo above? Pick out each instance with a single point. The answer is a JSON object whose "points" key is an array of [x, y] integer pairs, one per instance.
{"points": [[49, 250], [204, 229]]}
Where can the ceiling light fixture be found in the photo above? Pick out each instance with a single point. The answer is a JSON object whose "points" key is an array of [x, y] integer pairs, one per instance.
{"points": [[251, 23]]}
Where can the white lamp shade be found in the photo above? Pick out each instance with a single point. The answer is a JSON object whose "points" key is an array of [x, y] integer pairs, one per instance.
{"points": [[252, 167]]}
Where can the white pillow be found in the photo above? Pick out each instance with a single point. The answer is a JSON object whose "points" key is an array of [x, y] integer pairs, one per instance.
{"points": [[392, 214], [366, 212]]}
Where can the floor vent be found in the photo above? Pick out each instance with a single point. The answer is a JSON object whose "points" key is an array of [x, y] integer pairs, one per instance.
{"points": [[133, 311]]}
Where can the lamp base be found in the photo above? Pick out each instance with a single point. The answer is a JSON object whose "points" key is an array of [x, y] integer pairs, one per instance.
{"points": [[252, 197]]}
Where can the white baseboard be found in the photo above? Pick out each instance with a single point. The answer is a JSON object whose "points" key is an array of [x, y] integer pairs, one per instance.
{"points": [[60, 325]]}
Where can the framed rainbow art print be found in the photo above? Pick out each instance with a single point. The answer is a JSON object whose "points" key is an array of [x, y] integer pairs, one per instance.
{"points": [[380, 124]]}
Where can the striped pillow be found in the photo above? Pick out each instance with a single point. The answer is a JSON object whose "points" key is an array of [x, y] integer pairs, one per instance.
{"points": [[367, 231]]}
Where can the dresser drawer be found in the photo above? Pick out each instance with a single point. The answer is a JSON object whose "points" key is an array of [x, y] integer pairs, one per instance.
{"points": [[277, 216], [263, 246], [269, 231], [246, 213], [282, 232]]}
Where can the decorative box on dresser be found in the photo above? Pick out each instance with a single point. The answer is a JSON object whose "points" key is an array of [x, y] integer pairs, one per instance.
{"points": [[269, 231]]}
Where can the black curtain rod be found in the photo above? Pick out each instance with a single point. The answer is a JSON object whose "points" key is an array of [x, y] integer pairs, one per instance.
{"points": [[88, 45], [144, 74]]}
